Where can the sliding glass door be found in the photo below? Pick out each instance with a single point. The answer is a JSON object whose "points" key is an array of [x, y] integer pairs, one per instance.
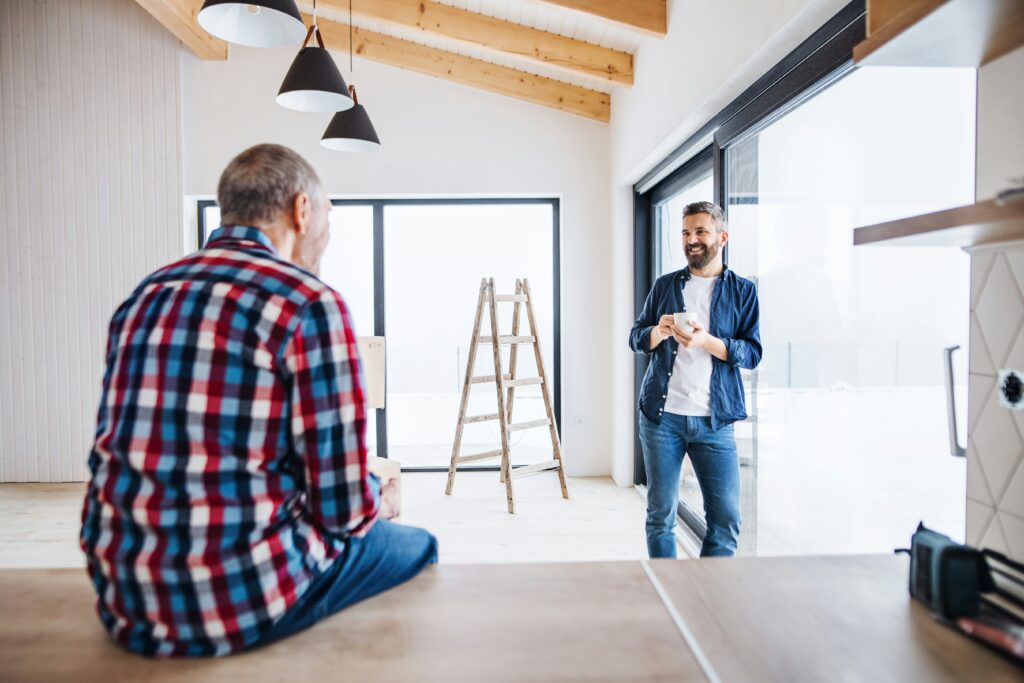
{"points": [[850, 427]]}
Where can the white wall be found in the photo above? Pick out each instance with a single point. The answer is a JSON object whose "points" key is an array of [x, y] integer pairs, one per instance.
{"points": [[713, 51], [440, 138], [91, 203]]}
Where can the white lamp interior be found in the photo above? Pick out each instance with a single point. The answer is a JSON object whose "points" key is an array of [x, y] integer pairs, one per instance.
{"points": [[349, 145], [315, 101], [251, 25]]}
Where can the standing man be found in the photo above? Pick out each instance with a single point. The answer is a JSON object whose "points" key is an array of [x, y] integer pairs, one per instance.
{"points": [[230, 503], [692, 391]]}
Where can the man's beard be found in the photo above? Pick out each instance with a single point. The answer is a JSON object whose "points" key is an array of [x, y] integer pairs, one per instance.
{"points": [[700, 259]]}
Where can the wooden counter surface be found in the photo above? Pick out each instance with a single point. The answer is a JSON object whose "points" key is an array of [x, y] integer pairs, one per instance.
{"points": [[764, 619], [832, 618]]}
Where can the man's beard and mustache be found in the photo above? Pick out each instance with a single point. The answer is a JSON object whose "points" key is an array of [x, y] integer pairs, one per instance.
{"points": [[700, 255]]}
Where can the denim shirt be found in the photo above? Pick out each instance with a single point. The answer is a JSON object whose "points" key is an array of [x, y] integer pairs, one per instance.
{"points": [[734, 320]]}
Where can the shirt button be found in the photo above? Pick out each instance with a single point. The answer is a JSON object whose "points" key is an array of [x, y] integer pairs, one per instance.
{"points": [[664, 395]]}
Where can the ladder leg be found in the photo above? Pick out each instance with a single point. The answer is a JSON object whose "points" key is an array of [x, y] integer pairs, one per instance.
{"points": [[512, 360], [556, 445], [470, 362], [506, 464]]}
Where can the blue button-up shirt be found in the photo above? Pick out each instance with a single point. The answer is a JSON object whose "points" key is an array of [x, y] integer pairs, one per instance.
{"points": [[734, 320]]}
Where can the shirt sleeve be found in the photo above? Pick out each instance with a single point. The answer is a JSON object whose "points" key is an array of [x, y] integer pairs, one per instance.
{"points": [[328, 418], [640, 335], [744, 350]]}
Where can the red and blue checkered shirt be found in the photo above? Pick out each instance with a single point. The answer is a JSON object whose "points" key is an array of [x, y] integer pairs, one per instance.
{"points": [[229, 466]]}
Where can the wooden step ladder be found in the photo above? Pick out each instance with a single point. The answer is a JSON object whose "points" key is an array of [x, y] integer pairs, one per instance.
{"points": [[506, 382]]}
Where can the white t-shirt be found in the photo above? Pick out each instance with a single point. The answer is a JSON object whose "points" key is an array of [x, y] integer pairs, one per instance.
{"points": [[690, 380]]}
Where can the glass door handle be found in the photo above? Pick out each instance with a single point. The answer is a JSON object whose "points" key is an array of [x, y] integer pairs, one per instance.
{"points": [[955, 449]]}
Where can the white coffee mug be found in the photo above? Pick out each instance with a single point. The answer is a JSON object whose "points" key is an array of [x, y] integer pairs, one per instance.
{"points": [[684, 319]]}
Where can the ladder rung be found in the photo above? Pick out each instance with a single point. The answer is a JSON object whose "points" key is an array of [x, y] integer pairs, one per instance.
{"points": [[480, 418], [484, 379], [529, 425], [539, 467], [509, 297], [508, 339], [522, 382], [480, 456]]}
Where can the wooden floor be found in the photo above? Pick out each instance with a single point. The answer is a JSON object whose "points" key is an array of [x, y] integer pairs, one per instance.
{"points": [[600, 521]]}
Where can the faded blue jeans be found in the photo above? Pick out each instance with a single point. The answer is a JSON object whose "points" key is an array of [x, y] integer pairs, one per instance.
{"points": [[388, 555], [716, 463]]}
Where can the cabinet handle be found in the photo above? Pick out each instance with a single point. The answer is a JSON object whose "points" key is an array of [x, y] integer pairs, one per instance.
{"points": [[955, 449]]}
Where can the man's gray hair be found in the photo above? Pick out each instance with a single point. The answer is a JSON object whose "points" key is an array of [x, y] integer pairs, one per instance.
{"points": [[711, 209], [262, 182]]}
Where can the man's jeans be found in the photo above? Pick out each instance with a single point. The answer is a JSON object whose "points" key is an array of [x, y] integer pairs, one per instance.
{"points": [[714, 459], [388, 555]]}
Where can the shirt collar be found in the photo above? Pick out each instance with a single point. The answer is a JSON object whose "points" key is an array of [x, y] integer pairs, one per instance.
{"points": [[241, 233], [684, 274]]}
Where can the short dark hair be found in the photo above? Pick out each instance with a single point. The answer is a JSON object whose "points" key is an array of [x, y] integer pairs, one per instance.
{"points": [[711, 209], [263, 181]]}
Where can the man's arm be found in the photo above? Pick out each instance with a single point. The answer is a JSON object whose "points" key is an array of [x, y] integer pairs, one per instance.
{"points": [[328, 418], [744, 349], [649, 330]]}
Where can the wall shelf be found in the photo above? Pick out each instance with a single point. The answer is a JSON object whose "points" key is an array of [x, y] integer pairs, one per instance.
{"points": [[966, 33], [965, 226]]}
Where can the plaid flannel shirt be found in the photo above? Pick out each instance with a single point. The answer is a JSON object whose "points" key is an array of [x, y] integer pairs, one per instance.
{"points": [[229, 465]]}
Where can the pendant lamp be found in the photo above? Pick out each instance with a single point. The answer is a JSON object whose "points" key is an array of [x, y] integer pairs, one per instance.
{"points": [[313, 83], [258, 23], [351, 130]]}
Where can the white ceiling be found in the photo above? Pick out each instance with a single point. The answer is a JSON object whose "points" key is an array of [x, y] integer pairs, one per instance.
{"points": [[531, 13]]}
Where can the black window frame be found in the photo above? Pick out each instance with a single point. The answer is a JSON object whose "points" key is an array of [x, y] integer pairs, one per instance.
{"points": [[378, 206], [818, 62]]}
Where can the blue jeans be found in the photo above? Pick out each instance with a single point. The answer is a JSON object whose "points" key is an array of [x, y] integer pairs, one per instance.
{"points": [[714, 459], [388, 555]]}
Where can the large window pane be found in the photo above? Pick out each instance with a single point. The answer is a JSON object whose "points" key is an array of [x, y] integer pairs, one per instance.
{"points": [[347, 266], [849, 420], [435, 257]]}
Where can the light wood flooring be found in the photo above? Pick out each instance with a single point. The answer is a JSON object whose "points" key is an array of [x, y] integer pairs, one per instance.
{"points": [[40, 522]]}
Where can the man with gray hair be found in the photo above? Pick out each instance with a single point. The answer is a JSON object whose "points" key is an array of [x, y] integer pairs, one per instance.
{"points": [[230, 503], [700, 326]]}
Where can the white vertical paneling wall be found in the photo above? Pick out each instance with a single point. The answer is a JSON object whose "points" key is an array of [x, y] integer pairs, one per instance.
{"points": [[91, 182]]}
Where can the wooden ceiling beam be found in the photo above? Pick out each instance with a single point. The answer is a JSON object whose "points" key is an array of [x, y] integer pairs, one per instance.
{"points": [[573, 55], [467, 71], [179, 17], [649, 16]]}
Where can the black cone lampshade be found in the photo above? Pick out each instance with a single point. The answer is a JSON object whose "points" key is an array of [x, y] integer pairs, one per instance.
{"points": [[351, 130], [313, 83], [258, 23]]}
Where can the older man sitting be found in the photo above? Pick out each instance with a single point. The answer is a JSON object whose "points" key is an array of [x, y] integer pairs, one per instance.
{"points": [[230, 503]]}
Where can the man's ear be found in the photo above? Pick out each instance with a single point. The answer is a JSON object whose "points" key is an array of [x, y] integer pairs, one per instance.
{"points": [[725, 237], [301, 212]]}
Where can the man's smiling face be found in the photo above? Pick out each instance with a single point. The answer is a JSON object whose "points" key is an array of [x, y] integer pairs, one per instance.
{"points": [[701, 240]]}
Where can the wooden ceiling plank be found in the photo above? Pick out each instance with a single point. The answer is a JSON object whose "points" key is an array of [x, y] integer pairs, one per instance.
{"points": [[477, 73], [495, 34], [648, 16], [179, 17]]}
